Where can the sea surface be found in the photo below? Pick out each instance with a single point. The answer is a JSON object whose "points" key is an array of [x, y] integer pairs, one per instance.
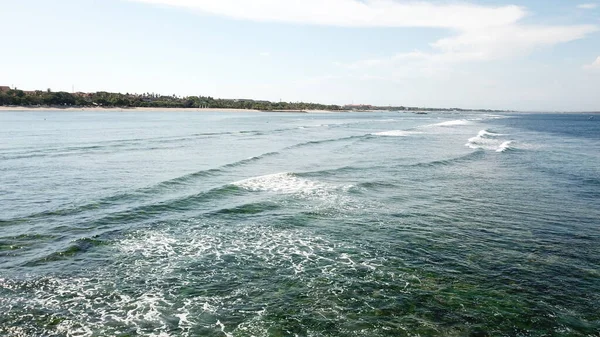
{"points": [[282, 224]]}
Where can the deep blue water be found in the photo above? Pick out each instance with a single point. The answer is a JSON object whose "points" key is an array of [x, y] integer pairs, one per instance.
{"points": [[266, 224]]}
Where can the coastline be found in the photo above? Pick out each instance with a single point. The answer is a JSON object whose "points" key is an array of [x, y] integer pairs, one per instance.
{"points": [[148, 109], [153, 109], [116, 109]]}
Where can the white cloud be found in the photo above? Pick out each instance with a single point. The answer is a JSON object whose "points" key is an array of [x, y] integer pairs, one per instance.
{"points": [[506, 41], [594, 66], [265, 54], [356, 13], [485, 44], [587, 6], [479, 32]]}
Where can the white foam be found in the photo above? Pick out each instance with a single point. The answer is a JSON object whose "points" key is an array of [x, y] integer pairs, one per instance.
{"points": [[396, 133], [100, 305], [161, 244], [281, 183], [457, 122], [222, 326], [504, 146], [488, 141], [110, 304], [486, 133], [483, 137], [495, 116]]}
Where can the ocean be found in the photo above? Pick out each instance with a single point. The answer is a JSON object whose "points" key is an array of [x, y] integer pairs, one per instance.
{"points": [[284, 224]]}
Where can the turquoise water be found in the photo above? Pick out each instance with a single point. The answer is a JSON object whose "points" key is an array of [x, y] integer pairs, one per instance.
{"points": [[264, 224]]}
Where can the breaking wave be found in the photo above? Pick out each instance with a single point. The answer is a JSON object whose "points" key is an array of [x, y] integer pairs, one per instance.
{"points": [[488, 140], [457, 122], [315, 196], [279, 182], [504, 146]]}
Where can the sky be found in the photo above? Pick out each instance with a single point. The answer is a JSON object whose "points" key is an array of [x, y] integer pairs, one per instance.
{"points": [[534, 55]]}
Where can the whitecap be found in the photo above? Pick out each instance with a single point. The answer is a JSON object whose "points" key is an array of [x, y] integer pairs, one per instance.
{"points": [[490, 116], [487, 133], [504, 146], [396, 133], [488, 140], [281, 183], [457, 122]]}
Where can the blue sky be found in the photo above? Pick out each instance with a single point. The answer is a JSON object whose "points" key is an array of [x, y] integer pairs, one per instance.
{"points": [[530, 55]]}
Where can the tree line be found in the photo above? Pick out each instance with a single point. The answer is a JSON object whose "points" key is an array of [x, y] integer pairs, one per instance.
{"points": [[15, 97]]}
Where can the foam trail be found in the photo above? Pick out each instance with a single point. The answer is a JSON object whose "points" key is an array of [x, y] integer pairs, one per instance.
{"points": [[495, 116], [486, 133], [222, 327], [395, 133], [457, 122]]}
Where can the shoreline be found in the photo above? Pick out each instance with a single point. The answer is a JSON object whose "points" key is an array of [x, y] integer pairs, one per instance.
{"points": [[141, 109], [153, 109]]}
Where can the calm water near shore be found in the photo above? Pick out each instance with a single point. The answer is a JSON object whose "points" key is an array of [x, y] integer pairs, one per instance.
{"points": [[279, 224]]}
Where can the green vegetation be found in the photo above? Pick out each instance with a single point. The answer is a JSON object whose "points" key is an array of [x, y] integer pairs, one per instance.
{"points": [[15, 97], [106, 99]]}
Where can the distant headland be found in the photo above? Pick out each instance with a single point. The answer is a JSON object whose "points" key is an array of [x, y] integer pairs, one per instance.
{"points": [[22, 99]]}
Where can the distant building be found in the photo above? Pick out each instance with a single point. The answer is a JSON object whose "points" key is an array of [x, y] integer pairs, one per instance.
{"points": [[245, 100], [358, 107], [4, 88]]}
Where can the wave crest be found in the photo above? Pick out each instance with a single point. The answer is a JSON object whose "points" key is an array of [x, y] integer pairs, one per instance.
{"points": [[504, 146], [396, 133], [488, 140], [457, 122], [284, 182]]}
